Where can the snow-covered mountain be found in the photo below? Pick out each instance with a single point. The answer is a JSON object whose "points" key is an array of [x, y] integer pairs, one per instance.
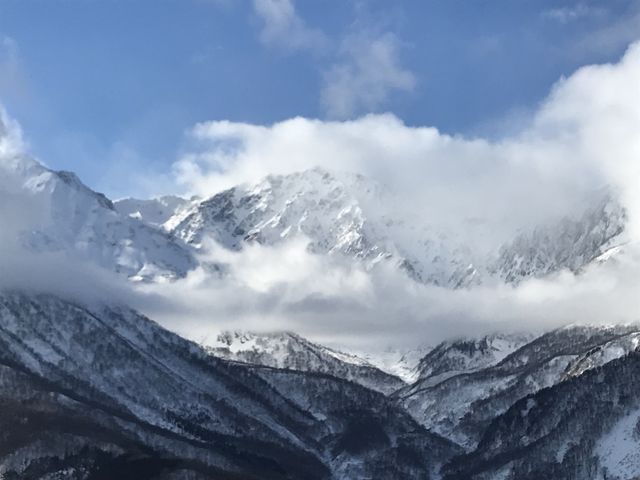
{"points": [[584, 428], [101, 392], [68, 217], [104, 389], [462, 406], [351, 216], [400, 362], [290, 351], [468, 355], [341, 214], [570, 244]]}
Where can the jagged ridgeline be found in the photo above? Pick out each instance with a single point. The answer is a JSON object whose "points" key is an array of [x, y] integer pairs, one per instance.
{"points": [[340, 214]]}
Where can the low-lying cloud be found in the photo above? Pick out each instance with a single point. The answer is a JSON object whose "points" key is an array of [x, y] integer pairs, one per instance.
{"points": [[335, 301]]}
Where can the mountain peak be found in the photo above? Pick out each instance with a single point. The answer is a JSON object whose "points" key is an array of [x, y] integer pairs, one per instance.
{"points": [[73, 181], [84, 224], [291, 351], [468, 354]]}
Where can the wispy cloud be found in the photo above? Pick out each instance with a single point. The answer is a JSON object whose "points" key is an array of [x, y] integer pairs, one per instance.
{"points": [[12, 79], [11, 141], [283, 28], [9, 51], [565, 15], [609, 31], [368, 72], [611, 37], [364, 67]]}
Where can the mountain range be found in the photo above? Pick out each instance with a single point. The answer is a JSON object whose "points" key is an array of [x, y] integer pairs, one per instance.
{"points": [[340, 214], [96, 390]]}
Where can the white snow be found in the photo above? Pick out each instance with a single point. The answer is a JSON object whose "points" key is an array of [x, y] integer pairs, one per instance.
{"points": [[290, 351], [84, 224], [619, 449]]}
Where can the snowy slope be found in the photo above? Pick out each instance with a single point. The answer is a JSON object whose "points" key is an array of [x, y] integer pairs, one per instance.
{"points": [[341, 214], [349, 215], [290, 351], [69, 217], [461, 406], [86, 389], [618, 449], [584, 428], [400, 362], [155, 211], [466, 355], [569, 244]]}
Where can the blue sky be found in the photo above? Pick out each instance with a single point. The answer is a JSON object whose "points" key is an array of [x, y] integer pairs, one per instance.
{"points": [[101, 88]]}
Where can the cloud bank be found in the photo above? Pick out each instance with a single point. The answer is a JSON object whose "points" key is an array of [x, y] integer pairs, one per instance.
{"points": [[338, 303]]}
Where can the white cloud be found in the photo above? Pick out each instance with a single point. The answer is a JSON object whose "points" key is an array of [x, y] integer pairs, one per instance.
{"points": [[565, 15], [11, 140], [338, 303], [365, 70], [593, 118], [282, 27], [12, 79], [368, 72]]}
